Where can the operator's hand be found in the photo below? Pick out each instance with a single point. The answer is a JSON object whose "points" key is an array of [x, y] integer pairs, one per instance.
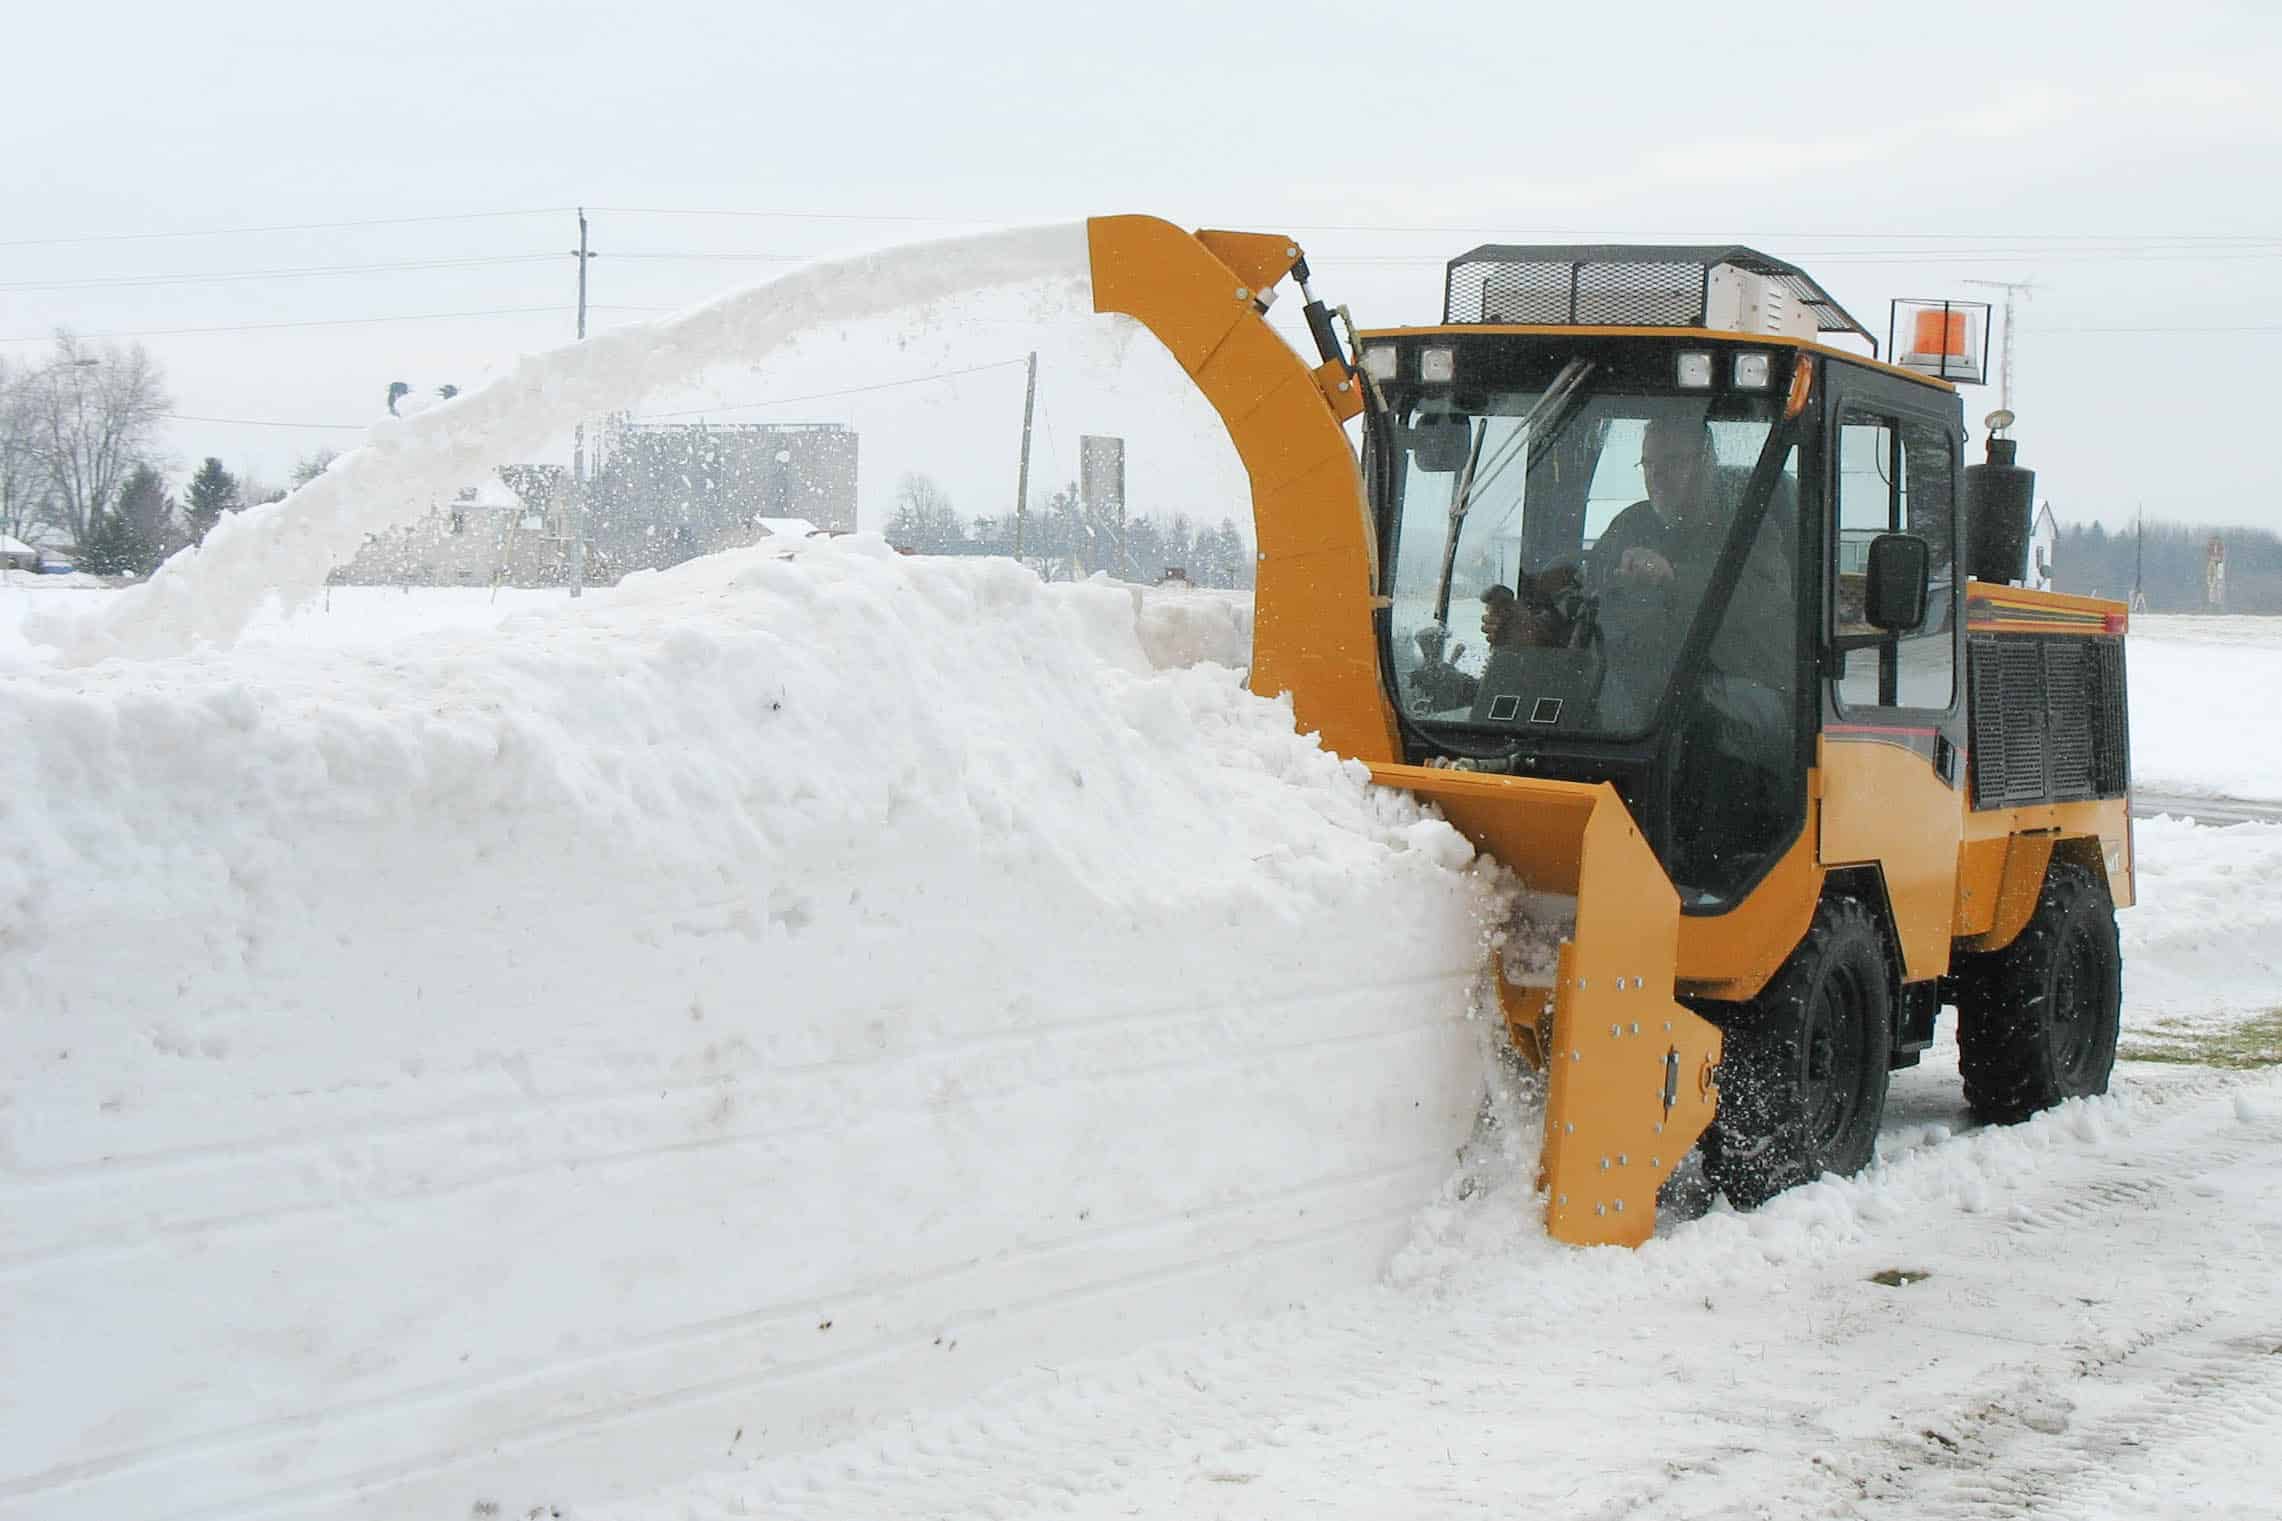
{"points": [[1645, 566], [1430, 647]]}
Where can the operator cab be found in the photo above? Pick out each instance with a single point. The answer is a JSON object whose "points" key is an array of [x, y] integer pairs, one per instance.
{"points": [[1602, 541]]}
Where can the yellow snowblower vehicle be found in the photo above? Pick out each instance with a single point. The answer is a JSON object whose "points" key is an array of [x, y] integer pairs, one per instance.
{"points": [[1756, 709]]}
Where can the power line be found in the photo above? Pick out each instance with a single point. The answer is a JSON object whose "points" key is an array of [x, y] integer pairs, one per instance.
{"points": [[303, 272], [796, 216], [884, 385], [263, 422], [257, 327], [2246, 327], [236, 232], [758, 258], [1436, 228], [1502, 230], [2154, 251]]}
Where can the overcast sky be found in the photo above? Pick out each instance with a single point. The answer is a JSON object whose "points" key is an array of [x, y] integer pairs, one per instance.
{"points": [[2124, 158]]}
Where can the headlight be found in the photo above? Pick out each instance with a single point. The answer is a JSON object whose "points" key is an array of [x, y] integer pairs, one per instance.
{"points": [[1379, 360], [1695, 370], [1751, 372], [1437, 364]]}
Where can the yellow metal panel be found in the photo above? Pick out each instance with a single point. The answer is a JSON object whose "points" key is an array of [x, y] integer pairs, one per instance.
{"points": [[2106, 822], [2012, 895], [1246, 370], [1628, 1070], [1316, 574], [1259, 259], [1731, 956], [1994, 608], [1882, 805], [1980, 879], [1341, 390]]}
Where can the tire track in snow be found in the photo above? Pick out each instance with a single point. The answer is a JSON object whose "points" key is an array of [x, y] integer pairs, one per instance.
{"points": [[2213, 1383], [1314, 1394], [1272, 1012], [312, 1168], [738, 1347]]}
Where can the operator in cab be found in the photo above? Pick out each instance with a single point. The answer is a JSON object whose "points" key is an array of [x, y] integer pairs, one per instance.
{"points": [[1631, 600], [1653, 566]]}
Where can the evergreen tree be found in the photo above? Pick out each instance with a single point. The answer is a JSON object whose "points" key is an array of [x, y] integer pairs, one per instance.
{"points": [[1181, 547], [109, 548], [1226, 554], [213, 491], [131, 536], [1145, 549]]}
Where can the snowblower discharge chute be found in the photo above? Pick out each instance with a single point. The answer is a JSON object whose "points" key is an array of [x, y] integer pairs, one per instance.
{"points": [[1753, 684]]}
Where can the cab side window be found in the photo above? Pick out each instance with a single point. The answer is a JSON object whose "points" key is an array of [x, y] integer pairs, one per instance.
{"points": [[1895, 475]]}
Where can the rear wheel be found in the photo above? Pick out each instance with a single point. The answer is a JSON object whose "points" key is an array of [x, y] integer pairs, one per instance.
{"points": [[1802, 1080], [2038, 1019]]}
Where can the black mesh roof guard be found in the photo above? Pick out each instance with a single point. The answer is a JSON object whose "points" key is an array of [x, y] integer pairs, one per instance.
{"points": [[1618, 285]]}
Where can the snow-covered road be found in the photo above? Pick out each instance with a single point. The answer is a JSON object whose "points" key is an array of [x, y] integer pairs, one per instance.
{"points": [[2064, 1320], [855, 1036]]}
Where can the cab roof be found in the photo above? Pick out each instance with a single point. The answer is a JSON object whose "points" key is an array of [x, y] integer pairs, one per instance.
{"points": [[1621, 285]]}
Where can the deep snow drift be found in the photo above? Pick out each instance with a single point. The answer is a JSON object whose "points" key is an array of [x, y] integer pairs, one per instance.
{"points": [[500, 1063], [923, 1034]]}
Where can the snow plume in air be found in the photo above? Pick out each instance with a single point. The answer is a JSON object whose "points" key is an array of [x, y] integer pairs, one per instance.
{"points": [[287, 547]]}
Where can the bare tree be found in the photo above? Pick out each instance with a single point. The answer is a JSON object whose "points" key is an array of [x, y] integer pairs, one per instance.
{"points": [[924, 518], [93, 415], [313, 464], [23, 471]]}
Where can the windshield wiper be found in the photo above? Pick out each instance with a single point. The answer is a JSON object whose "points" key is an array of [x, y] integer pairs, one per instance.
{"points": [[1461, 496]]}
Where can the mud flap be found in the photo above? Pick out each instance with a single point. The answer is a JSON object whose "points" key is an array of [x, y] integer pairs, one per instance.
{"points": [[1628, 1071]]}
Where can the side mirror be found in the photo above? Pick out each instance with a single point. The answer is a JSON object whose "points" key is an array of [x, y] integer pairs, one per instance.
{"points": [[1438, 445], [1897, 582]]}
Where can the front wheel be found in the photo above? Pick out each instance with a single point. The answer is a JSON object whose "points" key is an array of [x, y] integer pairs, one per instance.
{"points": [[1802, 1081], [2038, 1020]]}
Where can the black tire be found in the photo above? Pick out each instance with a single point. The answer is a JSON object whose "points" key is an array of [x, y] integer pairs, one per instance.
{"points": [[2038, 1020], [1802, 1079]]}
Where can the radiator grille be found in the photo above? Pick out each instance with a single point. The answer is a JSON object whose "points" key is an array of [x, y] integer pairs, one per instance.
{"points": [[2049, 719]]}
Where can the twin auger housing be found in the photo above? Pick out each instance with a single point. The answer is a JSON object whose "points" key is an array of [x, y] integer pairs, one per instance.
{"points": [[1703, 626]]}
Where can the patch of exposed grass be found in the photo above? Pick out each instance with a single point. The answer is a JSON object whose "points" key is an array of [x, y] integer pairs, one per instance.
{"points": [[2255, 1042]]}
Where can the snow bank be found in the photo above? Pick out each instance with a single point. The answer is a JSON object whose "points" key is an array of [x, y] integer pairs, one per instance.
{"points": [[2203, 719], [517, 1063], [286, 547], [2206, 939]]}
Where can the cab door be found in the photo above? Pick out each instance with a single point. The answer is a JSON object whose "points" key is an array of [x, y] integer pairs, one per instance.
{"points": [[1890, 751]]}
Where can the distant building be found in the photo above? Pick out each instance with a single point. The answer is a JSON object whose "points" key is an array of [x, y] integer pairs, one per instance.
{"points": [[2043, 545], [509, 529], [658, 494], [663, 492]]}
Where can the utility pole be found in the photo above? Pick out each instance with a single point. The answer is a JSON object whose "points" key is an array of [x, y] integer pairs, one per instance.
{"points": [[1022, 477], [2138, 602], [578, 433], [2005, 371]]}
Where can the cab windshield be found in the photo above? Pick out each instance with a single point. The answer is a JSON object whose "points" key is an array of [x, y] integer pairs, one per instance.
{"points": [[1553, 547]]}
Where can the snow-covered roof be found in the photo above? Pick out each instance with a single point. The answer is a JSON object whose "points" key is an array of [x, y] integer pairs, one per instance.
{"points": [[13, 546], [491, 491], [785, 528]]}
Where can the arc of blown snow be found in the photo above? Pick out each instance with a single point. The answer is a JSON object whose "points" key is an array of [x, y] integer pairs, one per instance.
{"points": [[287, 547]]}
